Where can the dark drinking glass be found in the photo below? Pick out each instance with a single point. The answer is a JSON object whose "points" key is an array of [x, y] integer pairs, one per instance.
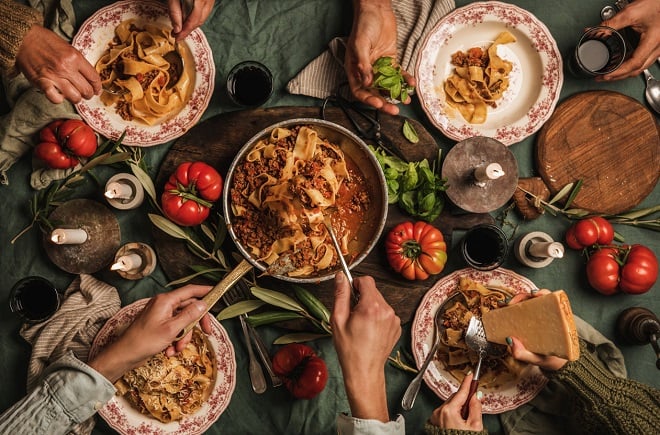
{"points": [[249, 84], [34, 298], [484, 247]]}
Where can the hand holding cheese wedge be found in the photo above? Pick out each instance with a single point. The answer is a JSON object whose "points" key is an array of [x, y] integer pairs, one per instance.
{"points": [[543, 324]]}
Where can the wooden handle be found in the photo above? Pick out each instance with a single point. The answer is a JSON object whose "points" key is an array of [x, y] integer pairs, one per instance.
{"points": [[465, 410], [216, 292]]}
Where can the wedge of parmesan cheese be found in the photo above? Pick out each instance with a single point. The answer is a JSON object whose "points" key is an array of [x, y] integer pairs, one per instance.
{"points": [[544, 324]]}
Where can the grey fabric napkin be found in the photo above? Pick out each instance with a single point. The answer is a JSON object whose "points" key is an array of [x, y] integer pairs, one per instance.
{"points": [[415, 19], [30, 109], [86, 305], [549, 409]]}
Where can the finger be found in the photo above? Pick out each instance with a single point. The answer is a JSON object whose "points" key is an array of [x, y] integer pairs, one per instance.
{"points": [[206, 323], [460, 396], [342, 306], [475, 408], [520, 353], [176, 15], [189, 291], [91, 76]]}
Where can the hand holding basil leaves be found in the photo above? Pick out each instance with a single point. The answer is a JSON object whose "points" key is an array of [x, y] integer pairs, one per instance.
{"points": [[389, 80]]}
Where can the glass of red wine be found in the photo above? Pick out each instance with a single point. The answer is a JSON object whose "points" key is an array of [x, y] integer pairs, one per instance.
{"points": [[250, 84], [484, 247], [34, 298]]}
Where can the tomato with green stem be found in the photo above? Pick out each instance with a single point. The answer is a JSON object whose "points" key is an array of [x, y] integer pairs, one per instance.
{"points": [[190, 193], [416, 250], [302, 371]]}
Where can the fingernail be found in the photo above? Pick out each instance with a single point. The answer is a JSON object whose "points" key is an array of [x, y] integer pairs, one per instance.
{"points": [[480, 395], [339, 277], [534, 291], [469, 373], [509, 341]]}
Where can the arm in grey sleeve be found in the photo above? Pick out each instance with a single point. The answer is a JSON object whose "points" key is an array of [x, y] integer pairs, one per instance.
{"points": [[69, 393]]}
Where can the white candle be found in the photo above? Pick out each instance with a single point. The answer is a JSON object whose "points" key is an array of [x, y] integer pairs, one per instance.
{"points": [[68, 236], [492, 171], [118, 190], [546, 250], [127, 263]]}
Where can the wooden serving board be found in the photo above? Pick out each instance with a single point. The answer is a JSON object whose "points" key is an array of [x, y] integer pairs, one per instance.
{"points": [[216, 142], [609, 141]]}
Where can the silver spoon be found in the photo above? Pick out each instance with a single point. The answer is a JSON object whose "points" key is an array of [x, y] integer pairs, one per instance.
{"points": [[652, 91]]}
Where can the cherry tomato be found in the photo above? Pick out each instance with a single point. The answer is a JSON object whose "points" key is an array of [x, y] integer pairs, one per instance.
{"points": [[190, 193], [603, 271], [588, 232], [303, 373], [416, 250], [63, 141], [640, 270]]}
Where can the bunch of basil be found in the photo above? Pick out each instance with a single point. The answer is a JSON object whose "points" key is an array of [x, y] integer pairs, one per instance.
{"points": [[415, 186]]}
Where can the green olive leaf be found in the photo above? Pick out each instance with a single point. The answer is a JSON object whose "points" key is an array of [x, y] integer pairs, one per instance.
{"points": [[298, 337], [239, 308], [409, 131], [277, 299], [270, 317]]}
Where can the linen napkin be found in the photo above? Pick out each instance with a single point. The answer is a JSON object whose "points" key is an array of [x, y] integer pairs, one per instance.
{"points": [[30, 109], [414, 19], [546, 412], [87, 304]]}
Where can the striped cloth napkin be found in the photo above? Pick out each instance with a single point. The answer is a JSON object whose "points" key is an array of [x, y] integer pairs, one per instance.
{"points": [[414, 18], [86, 305]]}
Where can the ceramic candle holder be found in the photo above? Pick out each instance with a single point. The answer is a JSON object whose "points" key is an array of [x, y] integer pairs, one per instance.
{"points": [[537, 249], [124, 191], [134, 261]]}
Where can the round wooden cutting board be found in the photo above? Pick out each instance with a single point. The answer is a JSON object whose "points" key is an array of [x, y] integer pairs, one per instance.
{"points": [[609, 141]]}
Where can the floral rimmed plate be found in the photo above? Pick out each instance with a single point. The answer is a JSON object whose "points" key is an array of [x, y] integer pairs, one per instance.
{"points": [[535, 81], [498, 399], [92, 40], [125, 419]]}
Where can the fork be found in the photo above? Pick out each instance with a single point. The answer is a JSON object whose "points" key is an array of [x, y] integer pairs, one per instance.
{"points": [[258, 342], [256, 374]]}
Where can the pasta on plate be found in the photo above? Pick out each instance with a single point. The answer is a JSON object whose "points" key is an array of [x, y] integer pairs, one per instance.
{"points": [[479, 80], [169, 388], [146, 85], [281, 191], [454, 353]]}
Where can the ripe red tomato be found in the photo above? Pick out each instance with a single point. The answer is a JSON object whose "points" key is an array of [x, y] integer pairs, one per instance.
{"points": [[603, 271], [63, 141], [416, 250], [640, 270], [588, 232], [190, 193], [303, 373]]}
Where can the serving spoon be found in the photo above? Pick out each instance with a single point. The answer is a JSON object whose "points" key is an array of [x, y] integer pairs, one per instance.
{"points": [[652, 91]]}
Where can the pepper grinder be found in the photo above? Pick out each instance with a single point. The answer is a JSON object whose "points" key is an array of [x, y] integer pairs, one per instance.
{"points": [[637, 325]]}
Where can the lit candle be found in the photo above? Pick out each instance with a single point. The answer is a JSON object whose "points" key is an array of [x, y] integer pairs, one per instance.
{"points": [[127, 263], [67, 236], [546, 249], [492, 171], [118, 190]]}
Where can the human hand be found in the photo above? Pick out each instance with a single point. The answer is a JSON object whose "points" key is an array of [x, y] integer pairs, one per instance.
{"points": [[448, 416], [546, 362], [363, 339], [643, 16], [54, 66], [373, 35], [153, 330], [198, 15]]}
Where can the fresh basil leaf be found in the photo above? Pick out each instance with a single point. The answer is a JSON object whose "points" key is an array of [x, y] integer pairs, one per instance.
{"points": [[410, 178], [407, 202], [408, 129]]}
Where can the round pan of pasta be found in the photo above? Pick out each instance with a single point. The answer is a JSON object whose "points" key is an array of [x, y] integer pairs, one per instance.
{"points": [[152, 102], [282, 184], [149, 398], [505, 382], [489, 69]]}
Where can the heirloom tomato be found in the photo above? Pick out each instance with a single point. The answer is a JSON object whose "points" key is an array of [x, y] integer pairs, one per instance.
{"points": [[303, 373], [416, 250], [603, 271], [639, 271], [190, 192], [589, 231], [64, 141]]}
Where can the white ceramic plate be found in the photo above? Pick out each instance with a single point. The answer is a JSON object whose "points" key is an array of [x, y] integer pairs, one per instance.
{"points": [[502, 398], [125, 419], [535, 81], [92, 40]]}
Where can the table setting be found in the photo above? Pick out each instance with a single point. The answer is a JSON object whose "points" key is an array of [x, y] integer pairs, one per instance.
{"points": [[557, 149]]}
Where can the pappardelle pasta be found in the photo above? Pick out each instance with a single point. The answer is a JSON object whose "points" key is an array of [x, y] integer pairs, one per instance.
{"points": [[280, 192], [146, 87], [169, 388], [454, 353], [479, 80]]}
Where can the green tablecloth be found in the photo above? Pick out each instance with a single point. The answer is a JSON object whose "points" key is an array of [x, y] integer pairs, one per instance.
{"points": [[286, 35]]}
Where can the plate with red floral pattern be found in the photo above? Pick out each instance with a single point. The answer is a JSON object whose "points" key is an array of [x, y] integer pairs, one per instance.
{"points": [[535, 80], [125, 419], [498, 397], [92, 41]]}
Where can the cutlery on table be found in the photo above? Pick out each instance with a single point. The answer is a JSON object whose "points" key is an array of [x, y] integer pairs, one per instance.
{"points": [[652, 91], [256, 373], [328, 225]]}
